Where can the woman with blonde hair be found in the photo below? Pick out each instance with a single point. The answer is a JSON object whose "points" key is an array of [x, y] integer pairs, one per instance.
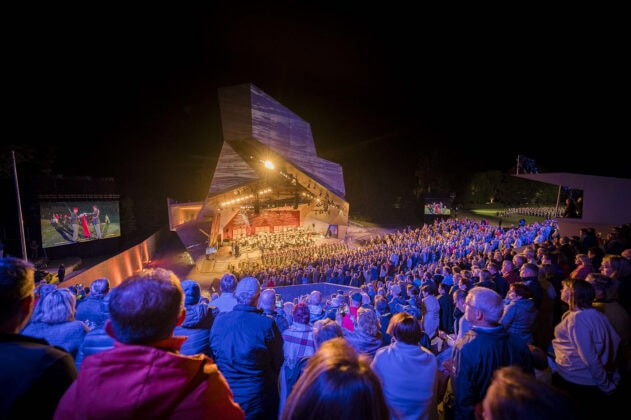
{"points": [[367, 336], [56, 322]]}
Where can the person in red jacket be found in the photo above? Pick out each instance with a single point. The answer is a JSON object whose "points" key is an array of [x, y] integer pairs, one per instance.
{"points": [[145, 375]]}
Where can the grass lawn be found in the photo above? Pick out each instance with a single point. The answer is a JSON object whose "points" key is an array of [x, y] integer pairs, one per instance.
{"points": [[491, 215], [480, 213]]}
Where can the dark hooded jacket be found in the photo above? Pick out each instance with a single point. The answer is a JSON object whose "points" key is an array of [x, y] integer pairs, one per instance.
{"points": [[199, 319], [97, 339]]}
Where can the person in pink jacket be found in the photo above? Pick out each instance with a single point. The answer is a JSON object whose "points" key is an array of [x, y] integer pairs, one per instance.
{"points": [[145, 375]]}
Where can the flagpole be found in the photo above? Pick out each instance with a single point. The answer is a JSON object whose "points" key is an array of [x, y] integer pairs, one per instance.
{"points": [[17, 193]]}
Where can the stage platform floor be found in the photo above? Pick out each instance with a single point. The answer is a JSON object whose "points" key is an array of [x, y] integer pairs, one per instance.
{"points": [[205, 271]]}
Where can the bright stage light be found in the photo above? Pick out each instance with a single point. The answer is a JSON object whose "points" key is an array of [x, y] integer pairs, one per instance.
{"points": [[268, 164]]}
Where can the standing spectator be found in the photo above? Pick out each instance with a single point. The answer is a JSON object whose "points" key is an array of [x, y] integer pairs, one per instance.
{"points": [[587, 239], [586, 349], [34, 250], [595, 254], [447, 307], [56, 322], [332, 309], [461, 326], [486, 347], [354, 302], [298, 346], [226, 300], [583, 267], [90, 310], [337, 383], [407, 371], [618, 269], [323, 330], [61, 273], [34, 374], [366, 338], [606, 301], [431, 311], [397, 302], [461, 323], [97, 339], [288, 308], [517, 395], [543, 330], [267, 303], [616, 241], [144, 375], [486, 280], [248, 348], [496, 276], [198, 321], [316, 308], [509, 272], [529, 275], [519, 314], [383, 312], [344, 316]]}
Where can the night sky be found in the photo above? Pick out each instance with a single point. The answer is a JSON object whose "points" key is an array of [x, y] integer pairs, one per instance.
{"points": [[132, 94]]}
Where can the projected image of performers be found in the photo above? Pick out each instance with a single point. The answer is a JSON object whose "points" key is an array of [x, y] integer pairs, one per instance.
{"points": [[64, 223], [436, 208]]}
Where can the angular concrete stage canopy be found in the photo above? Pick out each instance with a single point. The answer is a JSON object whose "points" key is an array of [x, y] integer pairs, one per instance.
{"points": [[268, 177], [606, 200]]}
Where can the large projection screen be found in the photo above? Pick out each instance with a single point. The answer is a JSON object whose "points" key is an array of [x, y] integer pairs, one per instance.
{"points": [[56, 221]]}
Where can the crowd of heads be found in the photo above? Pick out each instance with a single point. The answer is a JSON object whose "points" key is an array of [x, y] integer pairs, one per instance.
{"points": [[397, 276]]}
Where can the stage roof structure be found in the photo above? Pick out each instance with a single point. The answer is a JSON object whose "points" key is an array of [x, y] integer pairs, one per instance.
{"points": [[268, 160]]}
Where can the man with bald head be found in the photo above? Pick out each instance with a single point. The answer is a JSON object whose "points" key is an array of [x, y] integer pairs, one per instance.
{"points": [[267, 303]]}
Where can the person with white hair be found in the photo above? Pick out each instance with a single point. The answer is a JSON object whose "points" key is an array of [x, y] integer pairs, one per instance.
{"points": [[484, 348], [316, 309]]}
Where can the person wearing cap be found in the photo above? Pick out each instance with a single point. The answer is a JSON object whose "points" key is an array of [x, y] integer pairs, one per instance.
{"points": [[247, 346]]}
